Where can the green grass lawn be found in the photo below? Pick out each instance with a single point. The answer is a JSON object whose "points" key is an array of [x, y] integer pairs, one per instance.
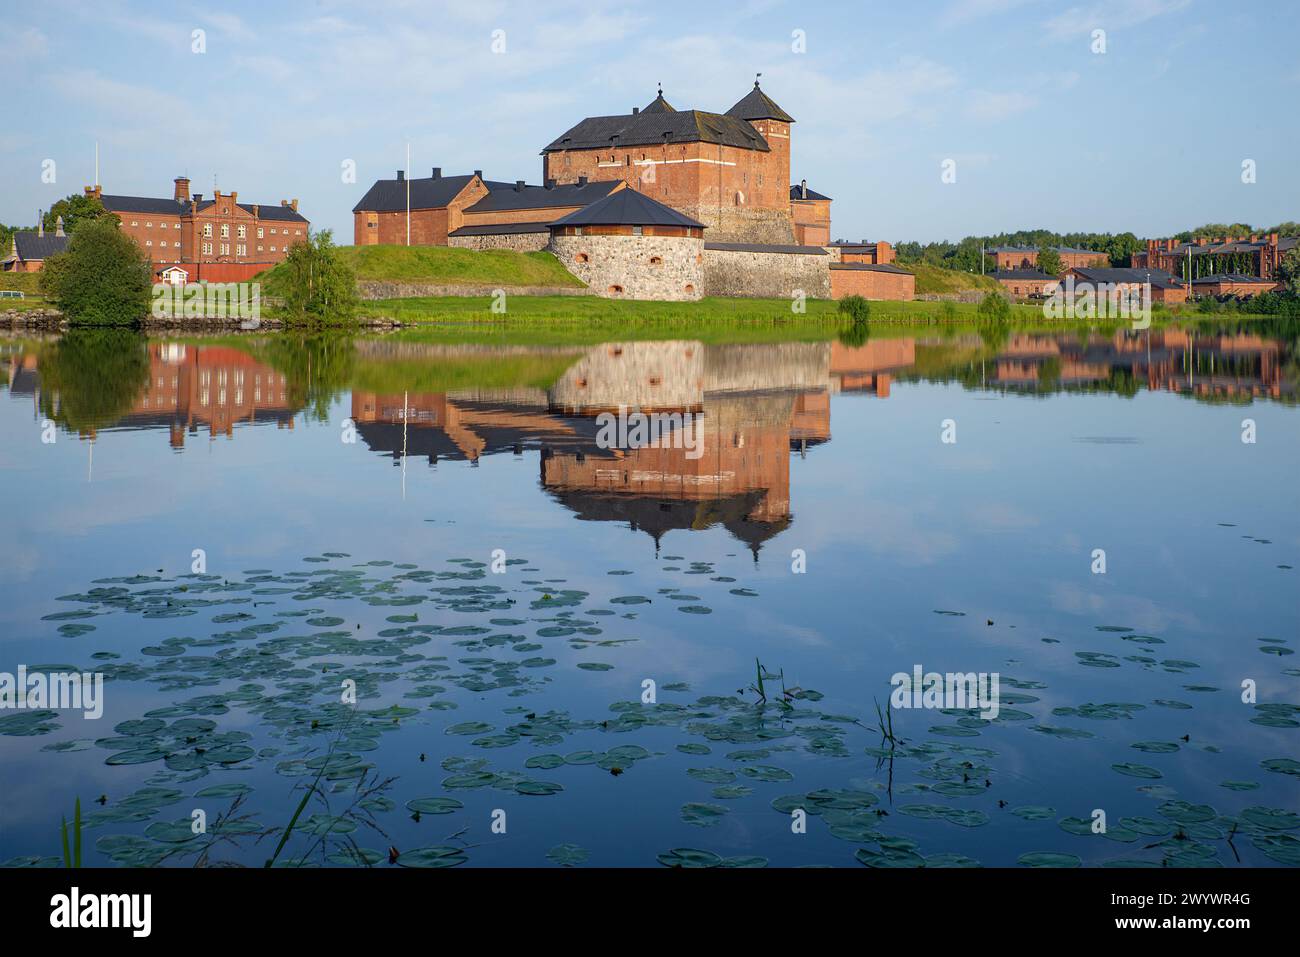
{"points": [[569, 320], [443, 264]]}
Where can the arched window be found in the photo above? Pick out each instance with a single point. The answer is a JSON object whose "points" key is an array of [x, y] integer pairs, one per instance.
{"points": [[582, 258], [690, 289], [740, 198], [616, 290]]}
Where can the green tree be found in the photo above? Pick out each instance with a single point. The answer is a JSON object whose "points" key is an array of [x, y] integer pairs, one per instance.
{"points": [[319, 285], [91, 378], [75, 209], [103, 278], [1049, 261], [1288, 272]]}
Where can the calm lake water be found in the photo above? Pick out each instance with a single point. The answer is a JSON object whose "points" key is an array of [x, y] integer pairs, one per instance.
{"points": [[564, 638]]}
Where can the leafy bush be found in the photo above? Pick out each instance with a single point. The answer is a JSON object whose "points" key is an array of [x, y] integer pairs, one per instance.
{"points": [[319, 286], [103, 278], [994, 308], [855, 308]]}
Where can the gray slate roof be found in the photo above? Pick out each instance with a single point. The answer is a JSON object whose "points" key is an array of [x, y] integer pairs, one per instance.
{"points": [[757, 105], [787, 248], [797, 193], [539, 197], [389, 195], [169, 207], [627, 207], [1159, 278], [32, 247], [659, 105], [1231, 277], [872, 267], [656, 128], [500, 229], [1020, 274]]}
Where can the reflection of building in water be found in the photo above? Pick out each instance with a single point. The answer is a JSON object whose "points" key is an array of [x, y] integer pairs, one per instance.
{"points": [[755, 403], [191, 386], [1234, 366]]}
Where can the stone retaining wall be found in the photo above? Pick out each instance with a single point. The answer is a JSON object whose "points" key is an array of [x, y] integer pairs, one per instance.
{"points": [[766, 275]]}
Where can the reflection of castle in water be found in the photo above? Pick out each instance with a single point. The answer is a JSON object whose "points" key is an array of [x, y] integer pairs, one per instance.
{"points": [[756, 403]]}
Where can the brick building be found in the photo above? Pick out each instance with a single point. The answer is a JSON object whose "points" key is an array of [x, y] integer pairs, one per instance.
{"points": [[30, 249], [871, 281], [1232, 284], [1164, 287], [730, 171], [876, 254], [811, 213], [1026, 257], [1244, 255], [218, 239], [1023, 283]]}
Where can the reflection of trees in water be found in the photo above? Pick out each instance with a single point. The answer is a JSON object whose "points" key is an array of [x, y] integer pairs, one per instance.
{"points": [[318, 368], [92, 377]]}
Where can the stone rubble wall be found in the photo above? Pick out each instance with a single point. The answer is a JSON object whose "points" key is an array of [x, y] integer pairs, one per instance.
{"points": [[621, 267], [766, 275]]}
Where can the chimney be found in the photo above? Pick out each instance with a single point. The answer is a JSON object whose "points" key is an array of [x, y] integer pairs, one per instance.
{"points": [[40, 222], [550, 184], [293, 203], [401, 175], [478, 173], [636, 110], [58, 227], [198, 198], [582, 181], [519, 186], [234, 197], [256, 210], [803, 189], [437, 172], [182, 193]]}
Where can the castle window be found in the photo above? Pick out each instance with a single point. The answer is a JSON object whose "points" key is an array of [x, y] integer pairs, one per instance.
{"points": [[638, 230], [690, 289], [616, 290], [740, 198], [582, 258], [656, 260]]}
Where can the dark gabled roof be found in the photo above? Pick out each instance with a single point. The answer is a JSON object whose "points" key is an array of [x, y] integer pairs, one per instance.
{"points": [[277, 212], [170, 207], [659, 105], [1159, 278], [627, 207], [1232, 277], [389, 195], [1020, 274], [654, 129], [32, 247], [143, 204], [757, 105], [796, 192], [789, 249], [500, 229], [1060, 249], [875, 267], [507, 197]]}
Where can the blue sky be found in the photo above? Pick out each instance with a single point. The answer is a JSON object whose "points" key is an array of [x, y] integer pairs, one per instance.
{"points": [[1149, 136]]}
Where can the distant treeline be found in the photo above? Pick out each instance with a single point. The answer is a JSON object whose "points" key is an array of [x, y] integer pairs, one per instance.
{"points": [[1120, 247]]}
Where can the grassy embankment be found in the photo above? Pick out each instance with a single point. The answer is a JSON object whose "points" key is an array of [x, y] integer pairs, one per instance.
{"points": [[28, 284], [935, 280]]}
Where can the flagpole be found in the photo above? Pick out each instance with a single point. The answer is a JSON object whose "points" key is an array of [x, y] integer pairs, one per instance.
{"points": [[408, 194]]}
